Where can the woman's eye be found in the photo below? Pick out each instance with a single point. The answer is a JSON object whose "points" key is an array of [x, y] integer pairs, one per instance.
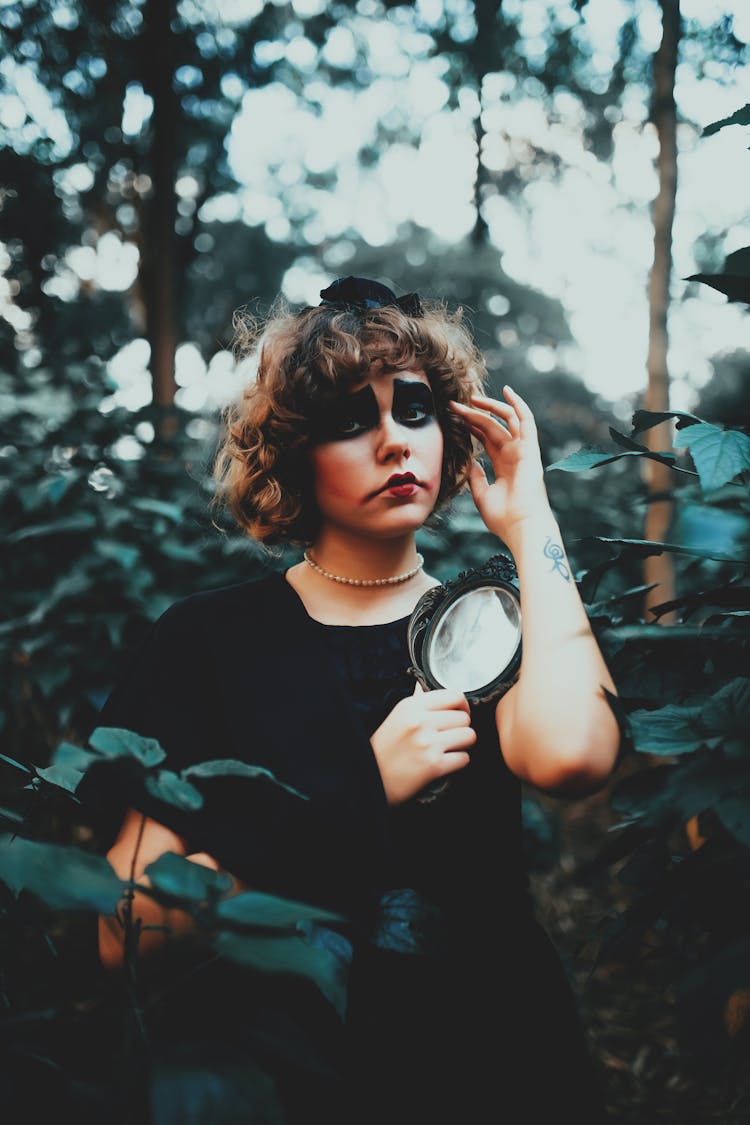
{"points": [[415, 412], [349, 426]]}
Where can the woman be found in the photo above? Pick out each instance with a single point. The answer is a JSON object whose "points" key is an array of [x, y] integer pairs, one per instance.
{"points": [[356, 431]]}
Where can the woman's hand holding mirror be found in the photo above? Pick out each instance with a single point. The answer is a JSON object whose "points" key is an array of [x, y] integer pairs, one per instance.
{"points": [[424, 738]]}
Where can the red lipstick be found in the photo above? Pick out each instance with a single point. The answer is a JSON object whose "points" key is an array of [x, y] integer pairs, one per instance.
{"points": [[401, 484]]}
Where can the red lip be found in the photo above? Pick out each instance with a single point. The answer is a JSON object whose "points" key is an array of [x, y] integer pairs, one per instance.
{"points": [[398, 480]]}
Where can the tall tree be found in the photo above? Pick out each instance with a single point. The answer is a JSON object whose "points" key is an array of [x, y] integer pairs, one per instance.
{"points": [[659, 568]]}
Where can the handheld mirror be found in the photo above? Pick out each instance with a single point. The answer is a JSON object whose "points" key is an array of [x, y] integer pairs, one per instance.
{"points": [[466, 634]]}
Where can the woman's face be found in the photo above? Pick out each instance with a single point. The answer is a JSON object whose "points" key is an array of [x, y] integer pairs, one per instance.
{"points": [[385, 428]]}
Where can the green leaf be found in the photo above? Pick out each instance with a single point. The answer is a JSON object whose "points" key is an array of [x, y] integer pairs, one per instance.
{"points": [[64, 777], [174, 875], [666, 456], [67, 754], [64, 878], [233, 767], [125, 556], [734, 288], [170, 787], [739, 117], [668, 730], [719, 455], [293, 955], [13, 762], [587, 457], [642, 548], [159, 507], [645, 419], [734, 814], [83, 521], [116, 742], [268, 912], [728, 711]]}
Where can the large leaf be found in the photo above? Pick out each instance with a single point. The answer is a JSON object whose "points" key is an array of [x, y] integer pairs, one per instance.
{"points": [[669, 730], [64, 878], [116, 742], [174, 790], [719, 455], [287, 954], [174, 875], [728, 711], [269, 912], [233, 767]]}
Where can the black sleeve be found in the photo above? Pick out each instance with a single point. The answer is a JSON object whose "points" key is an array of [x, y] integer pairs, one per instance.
{"points": [[168, 693]]}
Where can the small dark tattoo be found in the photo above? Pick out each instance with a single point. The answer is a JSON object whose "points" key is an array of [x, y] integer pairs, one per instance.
{"points": [[555, 552]]}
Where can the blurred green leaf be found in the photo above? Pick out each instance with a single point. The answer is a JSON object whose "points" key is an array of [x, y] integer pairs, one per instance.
{"points": [[68, 525], [174, 875], [669, 730], [116, 742], [233, 767], [287, 954], [170, 787], [62, 877], [728, 711], [269, 912], [64, 777]]}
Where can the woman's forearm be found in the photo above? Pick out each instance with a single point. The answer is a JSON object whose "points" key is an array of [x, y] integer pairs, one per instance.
{"points": [[556, 728]]}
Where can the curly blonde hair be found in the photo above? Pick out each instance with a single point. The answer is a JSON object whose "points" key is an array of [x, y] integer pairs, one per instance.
{"points": [[307, 359]]}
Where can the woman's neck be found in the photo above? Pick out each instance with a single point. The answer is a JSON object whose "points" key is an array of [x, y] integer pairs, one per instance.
{"points": [[364, 560], [337, 603]]}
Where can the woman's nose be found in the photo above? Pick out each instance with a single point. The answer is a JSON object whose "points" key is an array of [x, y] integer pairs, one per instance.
{"points": [[393, 440]]}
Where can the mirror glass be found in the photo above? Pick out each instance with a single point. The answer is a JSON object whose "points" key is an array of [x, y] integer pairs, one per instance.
{"points": [[474, 639]]}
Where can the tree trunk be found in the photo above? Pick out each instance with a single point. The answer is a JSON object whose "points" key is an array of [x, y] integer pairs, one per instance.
{"points": [[158, 243], [484, 57], [659, 477]]}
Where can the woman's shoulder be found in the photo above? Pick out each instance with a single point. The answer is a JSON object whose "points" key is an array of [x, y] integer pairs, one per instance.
{"points": [[225, 603]]}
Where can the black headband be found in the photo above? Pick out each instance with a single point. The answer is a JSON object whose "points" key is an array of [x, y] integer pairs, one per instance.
{"points": [[361, 293]]}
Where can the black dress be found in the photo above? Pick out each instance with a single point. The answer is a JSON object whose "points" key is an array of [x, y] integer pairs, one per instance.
{"points": [[480, 1024]]}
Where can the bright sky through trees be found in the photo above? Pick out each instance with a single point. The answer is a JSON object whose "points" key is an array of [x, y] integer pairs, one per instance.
{"points": [[581, 234]]}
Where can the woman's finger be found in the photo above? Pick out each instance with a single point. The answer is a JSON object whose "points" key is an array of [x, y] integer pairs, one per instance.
{"points": [[508, 411], [489, 430]]}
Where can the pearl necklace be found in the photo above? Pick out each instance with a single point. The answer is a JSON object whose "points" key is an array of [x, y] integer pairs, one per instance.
{"points": [[366, 581]]}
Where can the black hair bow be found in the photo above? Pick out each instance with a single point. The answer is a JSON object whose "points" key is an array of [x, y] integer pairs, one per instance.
{"points": [[361, 293]]}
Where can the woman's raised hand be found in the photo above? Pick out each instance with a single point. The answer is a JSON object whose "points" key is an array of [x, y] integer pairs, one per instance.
{"points": [[508, 432], [424, 738]]}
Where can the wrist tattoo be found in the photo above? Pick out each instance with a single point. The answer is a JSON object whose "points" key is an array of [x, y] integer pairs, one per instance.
{"points": [[555, 552]]}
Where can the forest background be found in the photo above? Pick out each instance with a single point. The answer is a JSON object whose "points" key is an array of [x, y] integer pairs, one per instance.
{"points": [[542, 165]]}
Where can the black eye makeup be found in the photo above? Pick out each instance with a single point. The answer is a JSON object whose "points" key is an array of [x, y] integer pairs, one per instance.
{"points": [[354, 414], [349, 416], [413, 404]]}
